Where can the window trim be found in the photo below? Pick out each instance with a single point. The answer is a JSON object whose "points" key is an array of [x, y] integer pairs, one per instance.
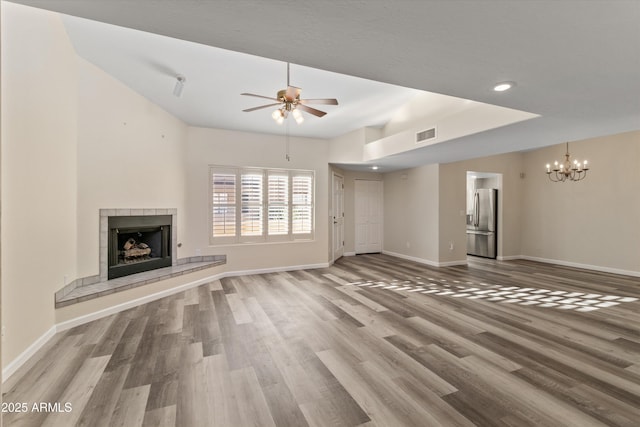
{"points": [[290, 236]]}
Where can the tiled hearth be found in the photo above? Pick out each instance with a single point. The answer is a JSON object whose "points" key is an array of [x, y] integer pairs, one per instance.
{"points": [[79, 293], [91, 287]]}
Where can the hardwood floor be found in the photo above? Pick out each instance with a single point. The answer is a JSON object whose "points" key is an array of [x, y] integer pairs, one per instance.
{"points": [[371, 341]]}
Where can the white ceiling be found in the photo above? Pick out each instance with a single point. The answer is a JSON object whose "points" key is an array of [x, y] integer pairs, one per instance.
{"points": [[576, 63], [215, 78]]}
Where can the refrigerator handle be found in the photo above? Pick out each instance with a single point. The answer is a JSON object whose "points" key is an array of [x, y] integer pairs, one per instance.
{"points": [[476, 209]]}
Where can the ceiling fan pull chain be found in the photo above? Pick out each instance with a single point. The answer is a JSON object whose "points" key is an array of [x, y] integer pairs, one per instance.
{"points": [[286, 156]]}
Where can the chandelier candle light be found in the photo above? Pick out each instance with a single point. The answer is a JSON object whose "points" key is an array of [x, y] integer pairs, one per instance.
{"points": [[567, 171]]}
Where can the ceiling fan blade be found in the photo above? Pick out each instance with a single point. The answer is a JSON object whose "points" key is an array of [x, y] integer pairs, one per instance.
{"points": [[260, 96], [292, 93], [310, 110], [325, 101], [248, 110]]}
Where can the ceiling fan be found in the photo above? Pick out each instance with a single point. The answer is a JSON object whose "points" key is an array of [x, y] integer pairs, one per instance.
{"points": [[288, 101]]}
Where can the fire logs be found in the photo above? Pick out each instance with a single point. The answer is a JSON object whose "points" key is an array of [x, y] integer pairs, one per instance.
{"points": [[134, 251]]}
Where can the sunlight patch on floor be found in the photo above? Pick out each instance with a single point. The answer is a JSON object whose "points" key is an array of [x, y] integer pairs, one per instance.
{"points": [[547, 298]]}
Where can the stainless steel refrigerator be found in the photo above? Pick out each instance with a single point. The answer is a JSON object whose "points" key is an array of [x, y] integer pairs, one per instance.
{"points": [[482, 221]]}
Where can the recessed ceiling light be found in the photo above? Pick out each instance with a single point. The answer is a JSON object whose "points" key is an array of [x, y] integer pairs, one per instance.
{"points": [[501, 87], [375, 168]]}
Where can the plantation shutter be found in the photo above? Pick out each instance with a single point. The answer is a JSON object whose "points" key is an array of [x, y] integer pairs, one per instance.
{"points": [[278, 203], [301, 204], [251, 196], [224, 204], [254, 205]]}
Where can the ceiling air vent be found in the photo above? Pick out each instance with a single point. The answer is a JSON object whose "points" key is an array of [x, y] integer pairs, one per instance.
{"points": [[425, 135]]}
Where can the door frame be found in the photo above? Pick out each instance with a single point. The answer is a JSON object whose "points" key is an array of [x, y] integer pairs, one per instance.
{"points": [[337, 218]]}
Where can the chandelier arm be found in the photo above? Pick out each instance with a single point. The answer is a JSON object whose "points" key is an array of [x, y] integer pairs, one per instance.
{"points": [[559, 177], [566, 171]]}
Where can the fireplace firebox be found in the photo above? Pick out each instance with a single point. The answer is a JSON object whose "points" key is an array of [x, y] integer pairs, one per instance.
{"points": [[138, 243]]}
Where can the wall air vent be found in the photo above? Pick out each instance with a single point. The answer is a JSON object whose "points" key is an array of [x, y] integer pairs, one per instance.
{"points": [[425, 135]]}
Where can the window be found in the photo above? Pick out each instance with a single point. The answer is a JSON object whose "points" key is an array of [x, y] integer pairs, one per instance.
{"points": [[302, 204], [278, 207], [224, 204], [251, 206], [261, 205]]}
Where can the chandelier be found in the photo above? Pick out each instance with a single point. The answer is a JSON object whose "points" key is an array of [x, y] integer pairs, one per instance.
{"points": [[567, 171]]}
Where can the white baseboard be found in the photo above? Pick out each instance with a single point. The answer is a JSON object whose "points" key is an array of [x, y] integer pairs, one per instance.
{"points": [[509, 257], [23, 357], [349, 254], [275, 269], [15, 364], [425, 261], [583, 266], [452, 263]]}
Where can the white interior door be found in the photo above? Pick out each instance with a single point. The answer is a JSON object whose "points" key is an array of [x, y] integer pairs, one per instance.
{"points": [[368, 216], [338, 216]]}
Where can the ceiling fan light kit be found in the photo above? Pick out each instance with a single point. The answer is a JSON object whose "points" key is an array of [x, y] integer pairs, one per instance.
{"points": [[278, 116], [297, 115], [288, 101]]}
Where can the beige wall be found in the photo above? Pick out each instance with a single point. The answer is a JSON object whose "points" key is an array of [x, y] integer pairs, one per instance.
{"points": [[411, 213], [347, 148], [591, 224], [453, 201], [39, 140], [130, 155], [425, 209], [230, 148], [594, 222]]}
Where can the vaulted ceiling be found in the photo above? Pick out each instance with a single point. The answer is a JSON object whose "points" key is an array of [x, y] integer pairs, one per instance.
{"points": [[575, 63]]}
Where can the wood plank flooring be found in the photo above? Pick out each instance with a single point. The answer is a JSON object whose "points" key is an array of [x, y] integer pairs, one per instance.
{"points": [[371, 341]]}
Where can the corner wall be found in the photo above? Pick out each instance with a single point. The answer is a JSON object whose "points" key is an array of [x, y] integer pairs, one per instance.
{"points": [[39, 143], [411, 213], [131, 154]]}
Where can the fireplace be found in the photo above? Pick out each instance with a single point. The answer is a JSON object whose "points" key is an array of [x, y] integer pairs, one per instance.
{"points": [[138, 243]]}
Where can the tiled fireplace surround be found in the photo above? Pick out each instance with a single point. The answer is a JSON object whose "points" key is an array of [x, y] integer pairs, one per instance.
{"points": [[86, 288], [104, 232]]}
